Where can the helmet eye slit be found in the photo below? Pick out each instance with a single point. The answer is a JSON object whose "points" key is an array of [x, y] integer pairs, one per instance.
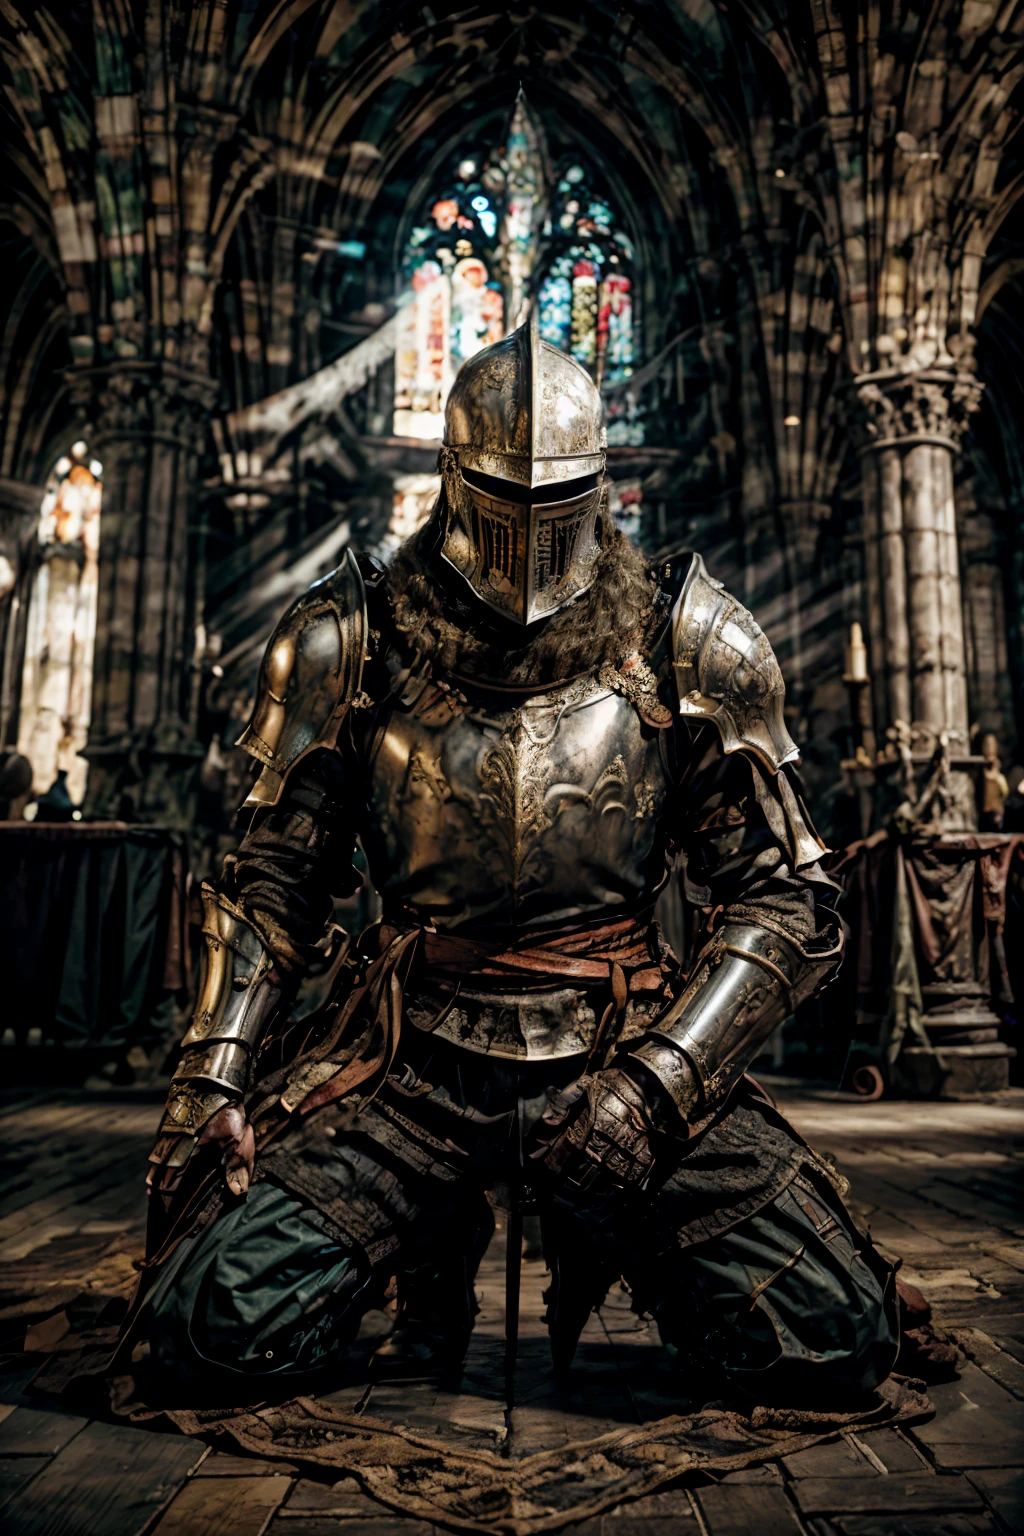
{"points": [[498, 538], [556, 539], [537, 495]]}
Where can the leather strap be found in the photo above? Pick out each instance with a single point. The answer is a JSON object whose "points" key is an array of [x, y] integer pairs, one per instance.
{"points": [[593, 955]]}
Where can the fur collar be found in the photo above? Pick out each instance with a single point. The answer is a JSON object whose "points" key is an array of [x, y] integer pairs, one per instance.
{"points": [[604, 626]]}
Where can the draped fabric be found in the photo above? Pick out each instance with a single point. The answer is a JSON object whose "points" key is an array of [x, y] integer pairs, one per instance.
{"points": [[93, 935], [925, 914]]}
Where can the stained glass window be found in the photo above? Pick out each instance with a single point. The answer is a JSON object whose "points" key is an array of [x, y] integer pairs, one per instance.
{"points": [[56, 682], [453, 302], [586, 296], [471, 264], [423, 370], [555, 303], [524, 191]]}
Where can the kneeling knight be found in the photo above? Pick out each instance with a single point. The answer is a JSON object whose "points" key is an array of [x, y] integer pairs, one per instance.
{"points": [[525, 727]]}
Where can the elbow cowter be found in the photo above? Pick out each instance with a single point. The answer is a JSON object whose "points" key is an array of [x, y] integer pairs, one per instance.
{"points": [[746, 981]]}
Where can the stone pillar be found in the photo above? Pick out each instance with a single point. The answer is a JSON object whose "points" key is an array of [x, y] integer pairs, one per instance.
{"points": [[926, 780], [149, 424], [19, 528], [913, 425]]}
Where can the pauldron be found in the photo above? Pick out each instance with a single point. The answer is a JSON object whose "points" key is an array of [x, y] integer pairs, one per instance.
{"points": [[311, 672], [240, 991], [726, 671], [746, 981]]}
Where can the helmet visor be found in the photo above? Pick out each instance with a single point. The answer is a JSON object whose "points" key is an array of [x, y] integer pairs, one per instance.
{"points": [[532, 554]]}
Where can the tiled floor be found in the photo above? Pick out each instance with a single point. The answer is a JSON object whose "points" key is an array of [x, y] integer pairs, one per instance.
{"points": [[938, 1185]]}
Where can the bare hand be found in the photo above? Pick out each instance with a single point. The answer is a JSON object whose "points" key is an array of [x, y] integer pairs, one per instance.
{"points": [[232, 1132]]}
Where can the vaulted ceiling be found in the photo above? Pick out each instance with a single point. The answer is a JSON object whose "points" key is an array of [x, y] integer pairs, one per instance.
{"points": [[143, 142], [818, 190]]}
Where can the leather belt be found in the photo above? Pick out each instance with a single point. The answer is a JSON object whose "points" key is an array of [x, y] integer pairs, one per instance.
{"points": [[591, 955]]}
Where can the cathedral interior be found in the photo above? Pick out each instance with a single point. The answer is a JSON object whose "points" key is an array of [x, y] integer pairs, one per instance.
{"points": [[248, 246]]}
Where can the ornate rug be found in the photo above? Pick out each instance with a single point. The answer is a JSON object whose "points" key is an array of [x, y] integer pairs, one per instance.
{"points": [[417, 1475], [70, 1313], [424, 1476]]}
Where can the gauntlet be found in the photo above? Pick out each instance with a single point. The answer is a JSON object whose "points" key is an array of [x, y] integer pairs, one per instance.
{"points": [[607, 1141], [240, 991], [746, 981]]}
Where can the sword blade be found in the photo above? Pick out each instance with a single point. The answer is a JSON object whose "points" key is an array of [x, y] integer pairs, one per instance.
{"points": [[514, 1259], [513, 1267]]}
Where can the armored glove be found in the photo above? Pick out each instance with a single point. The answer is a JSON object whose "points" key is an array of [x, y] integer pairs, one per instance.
{"points": [[601, 1134]]}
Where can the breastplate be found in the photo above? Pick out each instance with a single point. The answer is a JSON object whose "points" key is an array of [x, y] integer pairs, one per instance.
{"points": [[516, 815]]}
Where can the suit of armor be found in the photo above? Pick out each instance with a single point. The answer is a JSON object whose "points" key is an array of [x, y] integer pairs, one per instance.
{"points": [[515, 1018]]}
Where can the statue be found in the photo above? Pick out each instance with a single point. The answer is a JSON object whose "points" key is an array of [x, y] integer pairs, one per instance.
{"points": [[995, 789]]}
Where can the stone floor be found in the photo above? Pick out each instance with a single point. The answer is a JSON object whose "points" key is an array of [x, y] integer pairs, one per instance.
{"points": [[938, 1185]]}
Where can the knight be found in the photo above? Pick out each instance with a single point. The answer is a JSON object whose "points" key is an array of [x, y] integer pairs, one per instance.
{"points": [[525, 728]]}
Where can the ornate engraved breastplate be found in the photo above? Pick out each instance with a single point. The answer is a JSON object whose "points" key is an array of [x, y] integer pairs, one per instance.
{"points": [[516, 815], [488, 815]]}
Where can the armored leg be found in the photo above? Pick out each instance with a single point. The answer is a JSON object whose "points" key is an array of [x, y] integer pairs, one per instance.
{"points": [[275, 1288], [262, 1294], [437, 1304], [791, 1306], [582, 1273]]}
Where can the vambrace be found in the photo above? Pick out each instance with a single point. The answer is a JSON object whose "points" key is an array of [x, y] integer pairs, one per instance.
{"points": [[240, 992], [747, 980]]}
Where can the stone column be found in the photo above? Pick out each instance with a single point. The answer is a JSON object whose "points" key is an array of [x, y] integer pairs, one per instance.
{"points": [[925, 782], [19, 528], [913, 425], [149, 425]]}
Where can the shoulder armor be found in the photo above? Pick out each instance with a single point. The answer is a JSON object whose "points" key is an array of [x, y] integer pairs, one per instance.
{"points": [[311, 671], [726, 671]]}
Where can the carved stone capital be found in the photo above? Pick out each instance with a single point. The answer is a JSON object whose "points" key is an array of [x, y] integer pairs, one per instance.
{"points": [[133, 399], [899, 409]]}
